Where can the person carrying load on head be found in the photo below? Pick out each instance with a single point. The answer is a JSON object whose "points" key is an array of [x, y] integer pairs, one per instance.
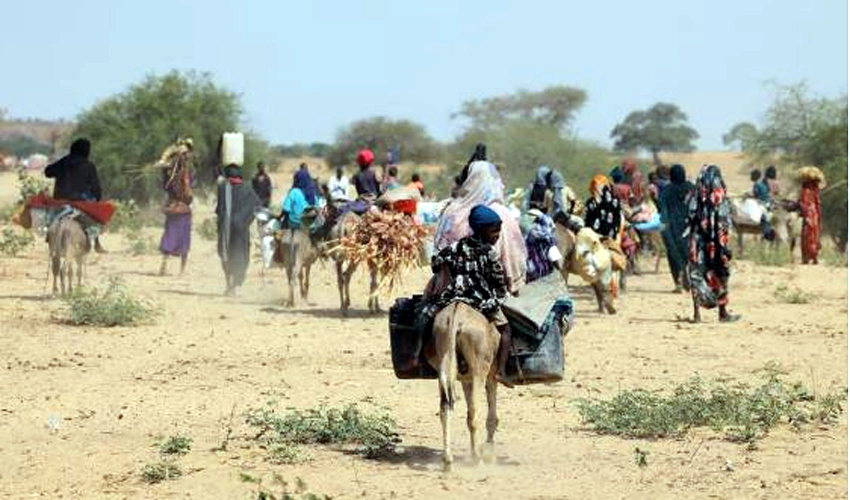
{"points": [[235, 209], [561, 204], [177, 182], [811, 180], [472, 273], [76, 179]]}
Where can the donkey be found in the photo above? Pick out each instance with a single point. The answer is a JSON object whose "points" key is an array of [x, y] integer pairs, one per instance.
{"points": [[68, 245], [345, 268], [460, 330], [581, 259]]}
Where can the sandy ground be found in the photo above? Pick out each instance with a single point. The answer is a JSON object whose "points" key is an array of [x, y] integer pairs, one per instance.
{"points": [[81, 408]]}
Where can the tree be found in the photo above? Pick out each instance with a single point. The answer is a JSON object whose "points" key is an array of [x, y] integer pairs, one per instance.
{"points": [[555, 106], [744, 134], [663, 127], [380, 134], [130, 130], [525, 130]]}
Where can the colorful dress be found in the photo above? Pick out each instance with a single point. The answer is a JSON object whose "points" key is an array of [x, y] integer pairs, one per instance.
{"points": [[708, 239], [812, 216]]}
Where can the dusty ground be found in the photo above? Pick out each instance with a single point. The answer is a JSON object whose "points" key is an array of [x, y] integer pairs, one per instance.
{"points": [[108, 394]]}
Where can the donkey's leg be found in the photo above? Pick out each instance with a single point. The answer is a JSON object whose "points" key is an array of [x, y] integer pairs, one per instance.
{"points": [[492, 417], [471, 390], [56, 269], [339, 284]]}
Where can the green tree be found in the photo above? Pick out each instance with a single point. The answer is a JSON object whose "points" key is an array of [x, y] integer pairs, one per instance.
{"points": [[379, 134], [554, 106], [130, 130], [525, 130], [663, 127], [743, 134]]}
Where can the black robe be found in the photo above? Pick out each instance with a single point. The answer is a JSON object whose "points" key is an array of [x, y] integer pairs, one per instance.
{"points": [[234, 223]]}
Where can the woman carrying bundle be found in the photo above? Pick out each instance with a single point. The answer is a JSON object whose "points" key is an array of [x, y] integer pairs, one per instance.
{"points": [[708, 240], [811, 178], [177, 183]]}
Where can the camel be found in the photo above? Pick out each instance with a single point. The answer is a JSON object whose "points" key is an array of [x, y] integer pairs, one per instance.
{"points": [[460, 330], [68, 245], [581, 259], [344, 268]]}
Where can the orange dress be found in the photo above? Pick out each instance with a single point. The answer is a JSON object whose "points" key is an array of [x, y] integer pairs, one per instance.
{"points": [[811, 211]]}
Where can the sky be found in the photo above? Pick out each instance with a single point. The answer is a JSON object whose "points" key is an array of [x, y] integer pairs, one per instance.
{"points": [[306, 68]]}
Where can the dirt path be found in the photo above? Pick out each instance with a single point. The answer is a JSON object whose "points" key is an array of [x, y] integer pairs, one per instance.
{"points": [[109, 393]]}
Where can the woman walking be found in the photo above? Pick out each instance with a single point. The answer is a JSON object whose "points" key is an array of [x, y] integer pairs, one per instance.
{"points": [[177, 184], [812, 179], [673, 206], [708, 240]]}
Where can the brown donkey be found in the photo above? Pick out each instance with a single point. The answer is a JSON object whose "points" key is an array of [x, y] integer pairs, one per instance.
{"points": [[460, 330], [68, 246]]}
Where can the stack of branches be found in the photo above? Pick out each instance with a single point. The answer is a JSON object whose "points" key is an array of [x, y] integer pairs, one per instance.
{"points": [[390, 241]]}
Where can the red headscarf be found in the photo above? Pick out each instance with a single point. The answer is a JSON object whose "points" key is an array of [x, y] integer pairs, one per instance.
{"points": [[365, 157]]}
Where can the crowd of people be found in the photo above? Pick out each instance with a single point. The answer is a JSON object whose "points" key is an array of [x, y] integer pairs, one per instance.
{"points": [[483, 251]]}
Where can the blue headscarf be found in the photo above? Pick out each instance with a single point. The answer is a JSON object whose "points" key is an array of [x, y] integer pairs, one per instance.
{"points": [[305, 183], [481, 217]]}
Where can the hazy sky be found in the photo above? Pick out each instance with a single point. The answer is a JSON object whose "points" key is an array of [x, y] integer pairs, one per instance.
{"points": [[306, 68]]}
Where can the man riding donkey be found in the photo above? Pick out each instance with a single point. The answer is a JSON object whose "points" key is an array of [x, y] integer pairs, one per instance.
{"points": [[470, 271], [76, 180]]}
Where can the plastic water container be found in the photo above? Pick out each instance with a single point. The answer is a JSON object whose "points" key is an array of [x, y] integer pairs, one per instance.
{"points": [[232, 149]]}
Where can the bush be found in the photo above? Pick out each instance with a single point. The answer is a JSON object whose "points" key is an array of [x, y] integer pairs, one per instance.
{"points": [[176, 445], [29, 185], [15, 241], [372, 433], [160, 471], [743, 413], [127, 217], [115, 306], [792, 295], [208, 229]]}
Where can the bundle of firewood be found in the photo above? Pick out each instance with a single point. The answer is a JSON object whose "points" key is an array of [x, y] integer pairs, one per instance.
{"points": [[391, 242]]}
